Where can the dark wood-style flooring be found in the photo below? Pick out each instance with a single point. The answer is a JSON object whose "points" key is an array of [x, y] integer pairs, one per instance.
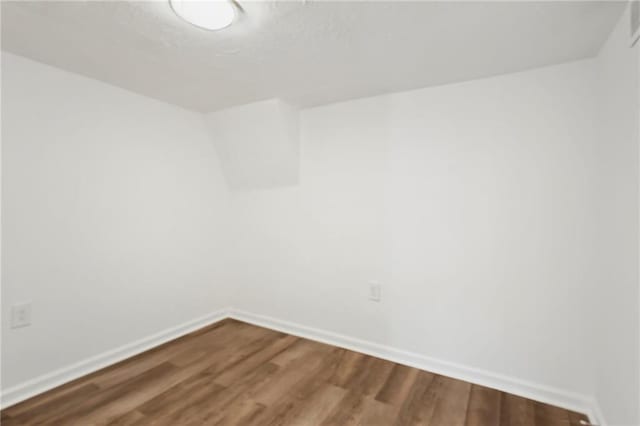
{"points": [[233, 373]]}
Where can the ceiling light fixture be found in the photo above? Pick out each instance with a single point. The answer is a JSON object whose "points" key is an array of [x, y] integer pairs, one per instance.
{"points": [[210, 15]]}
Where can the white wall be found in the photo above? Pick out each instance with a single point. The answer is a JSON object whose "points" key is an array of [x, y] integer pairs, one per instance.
{"points": [[616, 335], [258, 144], [472, 204], [114, 218]]}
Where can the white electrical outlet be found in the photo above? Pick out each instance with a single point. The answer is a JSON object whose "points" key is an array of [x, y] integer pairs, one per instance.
{"points": [[375, 292], [21, 315]]}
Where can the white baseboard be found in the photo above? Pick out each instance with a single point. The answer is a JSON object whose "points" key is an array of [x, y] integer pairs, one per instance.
{"points": [[538, 392], [64, 375], [549, 395]]}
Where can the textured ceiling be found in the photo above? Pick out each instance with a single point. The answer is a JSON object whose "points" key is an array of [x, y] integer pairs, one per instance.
{"points": [[306, 52]]}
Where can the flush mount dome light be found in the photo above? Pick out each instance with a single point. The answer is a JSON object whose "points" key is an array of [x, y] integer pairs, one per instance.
{"points": [[206, 14]]}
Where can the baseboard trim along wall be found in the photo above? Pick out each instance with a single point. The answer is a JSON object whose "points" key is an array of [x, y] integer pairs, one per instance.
{"points": [[546, 394], [64, 375]]}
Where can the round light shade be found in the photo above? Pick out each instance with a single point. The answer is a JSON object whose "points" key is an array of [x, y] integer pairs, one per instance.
{"points": [[206, 14]]}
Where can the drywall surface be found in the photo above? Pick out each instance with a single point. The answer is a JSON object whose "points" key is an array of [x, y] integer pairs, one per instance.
{"points": [[616, 312], [258, 144], [471, 204], [113, 215]]}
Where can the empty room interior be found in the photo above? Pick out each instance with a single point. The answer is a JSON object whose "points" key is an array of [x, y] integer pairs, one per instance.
{"points": [[308, 212]]}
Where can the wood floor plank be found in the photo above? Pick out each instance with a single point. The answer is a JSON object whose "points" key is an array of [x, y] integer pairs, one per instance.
{"points": [[424, 410], [317, 407], [409, 412], [484, 407], [376, 376], [242, 412], [349, 365], [299, 349], [236, 395], [549, 415], [233, 373], [135, 365], [291, 399], [181, 395], [131, 418], [517, 411], [117, 400], [56, 406], [7, 420], [201, 408], [287, 379], [397, 385], [377, 413], [348, 411], [187, 409], [57, 394], [129, 397], [255, 360], [451, 403]]}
